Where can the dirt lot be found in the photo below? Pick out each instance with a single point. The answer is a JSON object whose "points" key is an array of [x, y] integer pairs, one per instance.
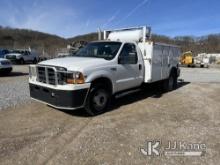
{"points": [[34, 133]]}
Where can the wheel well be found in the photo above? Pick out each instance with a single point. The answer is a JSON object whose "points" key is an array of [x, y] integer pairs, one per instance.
{"points": [[104, 81]]}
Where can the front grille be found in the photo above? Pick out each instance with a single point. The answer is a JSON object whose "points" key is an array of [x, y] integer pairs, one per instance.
{"points": [[11, 57], [50, 75], [5, 63]]}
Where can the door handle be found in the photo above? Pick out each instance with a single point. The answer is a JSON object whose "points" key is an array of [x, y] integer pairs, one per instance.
{"points": [[140, 67], [113, 69]]}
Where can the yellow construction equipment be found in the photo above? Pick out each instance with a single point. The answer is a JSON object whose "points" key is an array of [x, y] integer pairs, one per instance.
{"points": [[187, 59]]}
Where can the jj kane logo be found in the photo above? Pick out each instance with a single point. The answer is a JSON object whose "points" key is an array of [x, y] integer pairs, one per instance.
{"points": [[173, 148]]}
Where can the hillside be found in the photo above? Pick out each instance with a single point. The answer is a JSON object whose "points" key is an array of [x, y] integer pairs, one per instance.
{"points": [[51, 44], [20, 39], [208, 44]]}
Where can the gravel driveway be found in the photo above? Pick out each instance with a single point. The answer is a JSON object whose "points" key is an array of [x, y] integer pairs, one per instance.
{"points": [[40, 134], [33, 132], [201, 75], [14, 88]]}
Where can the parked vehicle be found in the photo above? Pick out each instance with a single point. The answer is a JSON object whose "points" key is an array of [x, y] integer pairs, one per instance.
{"points": [[202, 61], [123, 61], [3, 52], [5, 66], [187, 59], [22, 56]]}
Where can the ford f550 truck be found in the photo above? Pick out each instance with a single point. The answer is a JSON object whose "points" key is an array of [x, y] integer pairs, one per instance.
{"points": [[124, 60]]}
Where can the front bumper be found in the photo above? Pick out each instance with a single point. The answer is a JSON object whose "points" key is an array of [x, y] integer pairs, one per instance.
{"points": [[5, 69], [60, 99]]}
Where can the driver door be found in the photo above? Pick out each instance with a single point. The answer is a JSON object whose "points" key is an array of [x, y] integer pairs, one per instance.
{"points": [[130, 68], [26, 56]]}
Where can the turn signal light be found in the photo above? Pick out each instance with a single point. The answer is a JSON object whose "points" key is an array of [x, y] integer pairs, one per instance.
{"points": [[78, 78]]}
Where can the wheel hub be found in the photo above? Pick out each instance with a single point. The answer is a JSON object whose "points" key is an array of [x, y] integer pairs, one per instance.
{"points": [[100, 99]]}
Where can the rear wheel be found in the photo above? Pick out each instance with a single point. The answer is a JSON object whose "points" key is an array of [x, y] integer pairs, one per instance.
{"points": [[171, 83], [98, 100]]}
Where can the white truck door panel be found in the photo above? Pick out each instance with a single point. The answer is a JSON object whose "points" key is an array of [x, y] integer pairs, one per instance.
{"points": [[129, 75], [27, 56], [126, 77]]}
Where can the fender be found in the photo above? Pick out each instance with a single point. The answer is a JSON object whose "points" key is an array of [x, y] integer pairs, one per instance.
{"points": [[101, 74]]}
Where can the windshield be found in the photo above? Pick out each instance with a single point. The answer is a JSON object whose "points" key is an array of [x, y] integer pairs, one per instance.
{"points": [[17, 51], [106, 50]]}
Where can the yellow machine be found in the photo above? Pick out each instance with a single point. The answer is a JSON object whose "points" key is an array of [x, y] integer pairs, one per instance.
{"points": [[187, 59]]}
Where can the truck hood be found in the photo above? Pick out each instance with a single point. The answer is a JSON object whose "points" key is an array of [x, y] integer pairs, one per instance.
{"points": [[3, 59], [76, 63], [13, 54]]}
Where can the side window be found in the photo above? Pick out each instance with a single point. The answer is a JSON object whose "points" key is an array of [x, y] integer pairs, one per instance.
{"points": [[26, 53], [128, 54]]}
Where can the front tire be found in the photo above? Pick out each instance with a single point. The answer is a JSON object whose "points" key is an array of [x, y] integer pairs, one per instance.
{"points": [[98, 100], [22, 61]]}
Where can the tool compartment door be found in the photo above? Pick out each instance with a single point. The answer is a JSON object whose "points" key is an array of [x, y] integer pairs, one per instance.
{"points": [[157, 62], [167, 54]]}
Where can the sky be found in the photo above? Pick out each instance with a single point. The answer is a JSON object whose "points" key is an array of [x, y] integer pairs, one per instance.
{"points": [[68, 18]]}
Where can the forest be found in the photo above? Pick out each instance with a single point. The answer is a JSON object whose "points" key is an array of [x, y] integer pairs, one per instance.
{"points": [[11, 38]]}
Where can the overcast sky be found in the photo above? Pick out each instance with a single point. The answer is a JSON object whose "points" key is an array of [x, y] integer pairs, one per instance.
{"points": [[68, 18]]}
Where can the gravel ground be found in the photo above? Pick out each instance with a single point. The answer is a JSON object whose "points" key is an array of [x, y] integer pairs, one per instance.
{"points": [[14, 93], [202, 75], [14, 88], [33, 132], [40, 134]]}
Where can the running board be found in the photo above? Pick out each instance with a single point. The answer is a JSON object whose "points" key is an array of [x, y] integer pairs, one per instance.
{"points": [[126, 93]]}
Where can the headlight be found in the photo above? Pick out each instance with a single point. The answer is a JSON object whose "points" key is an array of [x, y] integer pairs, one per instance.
{"points": [[32, 72], [75, 78]]}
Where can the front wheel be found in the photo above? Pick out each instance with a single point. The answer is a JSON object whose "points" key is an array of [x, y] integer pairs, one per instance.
{"points": [[22, 61], [98, 100]]}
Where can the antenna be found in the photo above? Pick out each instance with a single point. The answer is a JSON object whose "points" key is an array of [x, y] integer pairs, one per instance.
{"points": [[99, 34]]}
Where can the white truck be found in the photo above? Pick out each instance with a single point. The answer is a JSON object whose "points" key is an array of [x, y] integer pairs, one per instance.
{"points": [[202, 60], [22, 56], [123, 61], [5, 66]]}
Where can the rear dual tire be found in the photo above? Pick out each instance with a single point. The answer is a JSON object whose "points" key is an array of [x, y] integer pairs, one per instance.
{"points": [[170, 83]]}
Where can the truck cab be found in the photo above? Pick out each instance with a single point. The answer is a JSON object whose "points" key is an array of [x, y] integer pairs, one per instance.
{"points": [[123, 60]]}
